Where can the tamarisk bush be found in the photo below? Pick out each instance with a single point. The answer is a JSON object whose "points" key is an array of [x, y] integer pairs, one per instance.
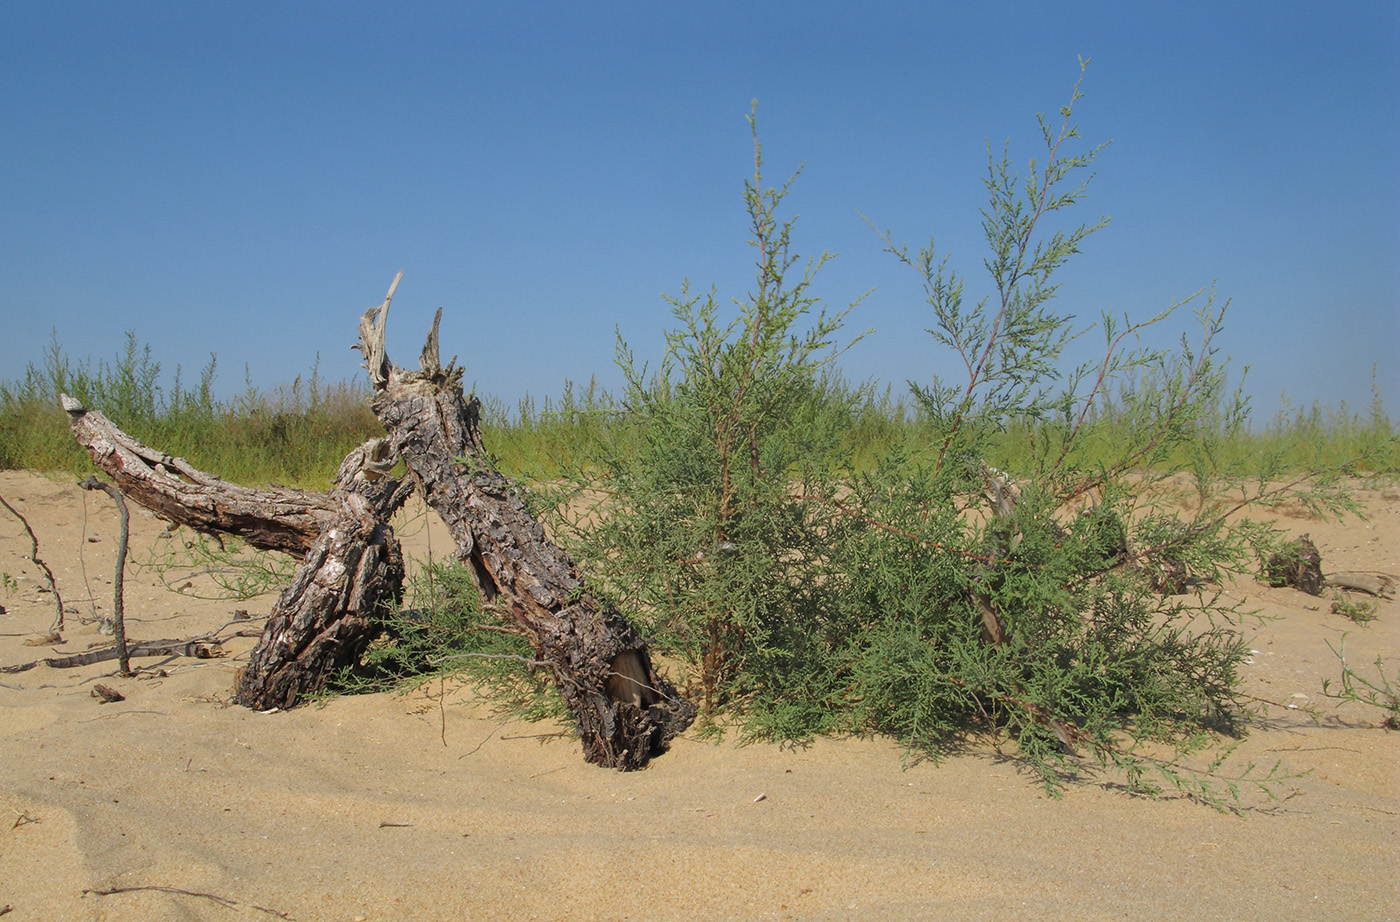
{"points": [[705, 532], [929, 596]]}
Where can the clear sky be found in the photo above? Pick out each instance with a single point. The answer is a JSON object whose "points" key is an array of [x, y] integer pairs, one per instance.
{"points": [[245, 178]]}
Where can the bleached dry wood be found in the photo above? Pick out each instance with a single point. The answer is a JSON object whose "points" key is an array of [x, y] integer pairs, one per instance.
{"points": [[271, 518], [1377, 585], [625, 711]]}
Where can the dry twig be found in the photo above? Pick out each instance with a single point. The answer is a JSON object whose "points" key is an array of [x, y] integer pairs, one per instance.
{"points": [[34, 556], [221, 900], [118, 617]]}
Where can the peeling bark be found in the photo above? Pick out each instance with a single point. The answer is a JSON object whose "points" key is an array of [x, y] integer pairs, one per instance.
{"points": [[351, 565], [625, 711], [273, 518], [329, 614]]}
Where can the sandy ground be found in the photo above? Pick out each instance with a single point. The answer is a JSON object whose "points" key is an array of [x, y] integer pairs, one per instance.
{"points": [[422, 806]]}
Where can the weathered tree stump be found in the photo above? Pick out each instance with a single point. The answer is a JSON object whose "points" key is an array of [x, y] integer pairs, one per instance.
{"points": [[625, 712], [351, 576], [1297, 564], [351, 566]]}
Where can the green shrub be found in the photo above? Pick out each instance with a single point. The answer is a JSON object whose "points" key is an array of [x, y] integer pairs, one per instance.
{"points": [[809, 585]]}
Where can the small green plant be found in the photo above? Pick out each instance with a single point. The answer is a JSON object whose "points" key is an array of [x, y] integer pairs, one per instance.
{"points": [[1357, 610], [9, 584], [448, 631], [238, 572], [1383, 692]]}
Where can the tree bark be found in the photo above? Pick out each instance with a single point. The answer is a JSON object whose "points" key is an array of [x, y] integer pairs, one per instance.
{"points": [[625, 711], [352, 574], [273, 518], [351, 565]]}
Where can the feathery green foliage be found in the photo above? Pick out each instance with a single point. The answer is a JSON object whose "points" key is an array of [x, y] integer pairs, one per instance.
{"points": [[449, 632], [1382, 692], [920, 592], [704, 531]]}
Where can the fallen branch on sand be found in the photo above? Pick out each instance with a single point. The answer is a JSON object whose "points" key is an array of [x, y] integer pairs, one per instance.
{"points": [[351, 565], [625, 712], [352, 570], [191, 648], [221, 900], [1380, 585], [272, 518], [201, 648]]}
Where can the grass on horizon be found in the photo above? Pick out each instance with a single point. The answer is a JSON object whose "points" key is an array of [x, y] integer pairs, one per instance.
{"points": [[298, 433]]}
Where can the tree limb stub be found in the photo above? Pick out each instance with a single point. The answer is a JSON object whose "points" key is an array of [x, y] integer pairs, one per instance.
{"points": [[625, 712]]}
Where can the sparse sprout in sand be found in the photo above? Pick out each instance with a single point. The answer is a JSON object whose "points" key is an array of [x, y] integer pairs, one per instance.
{"points": [[1382, 692]]}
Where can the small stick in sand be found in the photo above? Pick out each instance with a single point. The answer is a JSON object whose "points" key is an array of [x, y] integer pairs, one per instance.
{"points": [[221, 900], [118, 619]]}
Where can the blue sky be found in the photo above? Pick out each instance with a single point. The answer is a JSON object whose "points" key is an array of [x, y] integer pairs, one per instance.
{"points": [[245, 178]]}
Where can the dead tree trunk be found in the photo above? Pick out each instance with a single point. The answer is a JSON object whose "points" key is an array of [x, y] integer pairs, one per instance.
{"points": [[625, 711], [352, 575], [351, 566]]}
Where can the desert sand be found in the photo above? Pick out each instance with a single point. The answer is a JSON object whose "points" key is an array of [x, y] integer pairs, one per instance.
{"points": [[423, 805]]}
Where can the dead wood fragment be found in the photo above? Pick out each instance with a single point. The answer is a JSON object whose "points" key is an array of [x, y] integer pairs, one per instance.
{"points": [[1297, 564], [118, 608], [624, 710], [48, 640], [1002, 494], [270, 518], [107, 694], [191, 648], [329, 614], [351, 566], [111, 891], [38, 562], [1379, 585], [221, 900]]}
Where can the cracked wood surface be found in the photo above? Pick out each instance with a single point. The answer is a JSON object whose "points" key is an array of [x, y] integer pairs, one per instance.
{"points": [[625, 711], [350, 567], [270, 518]]}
